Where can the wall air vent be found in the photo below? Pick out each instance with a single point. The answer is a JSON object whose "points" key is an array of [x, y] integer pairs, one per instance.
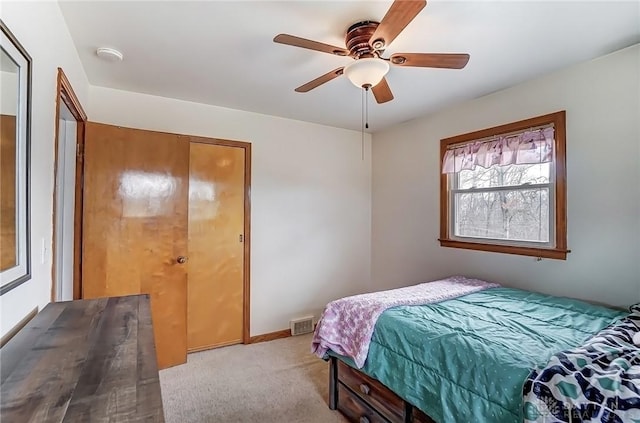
{"points": [[302, 325]]}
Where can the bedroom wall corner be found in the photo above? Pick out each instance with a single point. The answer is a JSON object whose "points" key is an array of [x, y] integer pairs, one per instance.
{"points": [[602, 99], [310, 199]]}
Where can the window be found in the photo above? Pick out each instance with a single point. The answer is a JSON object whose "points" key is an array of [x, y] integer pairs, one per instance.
{"points": [[503, 189]]}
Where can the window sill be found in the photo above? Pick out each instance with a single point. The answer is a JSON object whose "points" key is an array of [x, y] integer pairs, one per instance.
{"points": [[550, 253]]}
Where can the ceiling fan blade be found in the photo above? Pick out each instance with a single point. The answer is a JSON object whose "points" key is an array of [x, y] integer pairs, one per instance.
{"points": [[382, 92], [397, 18], [430, 60], [310, 44], [319, 81]]}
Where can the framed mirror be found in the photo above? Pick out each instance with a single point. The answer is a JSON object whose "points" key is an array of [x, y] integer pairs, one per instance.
{"points": [[15, 129]]}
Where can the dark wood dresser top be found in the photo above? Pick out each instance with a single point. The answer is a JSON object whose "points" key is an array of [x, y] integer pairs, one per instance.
{"points": [[83, 361]]}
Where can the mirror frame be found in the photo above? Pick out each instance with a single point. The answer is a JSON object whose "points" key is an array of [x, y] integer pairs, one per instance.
{"points": [[17, 275]]}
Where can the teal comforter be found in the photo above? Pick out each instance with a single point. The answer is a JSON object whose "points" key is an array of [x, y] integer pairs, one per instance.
{"points": [[465, 360]]}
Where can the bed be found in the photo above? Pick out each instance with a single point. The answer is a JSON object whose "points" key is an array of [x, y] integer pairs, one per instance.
{"points": [[459, 360]]}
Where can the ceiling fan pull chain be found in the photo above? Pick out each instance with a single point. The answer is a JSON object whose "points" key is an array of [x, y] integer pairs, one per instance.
{"points": [[362, 122], [366, 102]]}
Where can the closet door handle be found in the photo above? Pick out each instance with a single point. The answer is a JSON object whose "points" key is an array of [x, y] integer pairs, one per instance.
{"points": [[182, 259]]}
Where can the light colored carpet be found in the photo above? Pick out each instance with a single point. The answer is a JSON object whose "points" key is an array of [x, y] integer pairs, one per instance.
{"points": [[277, 381]]}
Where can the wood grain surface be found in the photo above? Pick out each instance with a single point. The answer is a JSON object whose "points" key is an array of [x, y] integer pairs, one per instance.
{"points": [[361, 398], [135, 226], [85, 360], [216, 246], [381, 398]]}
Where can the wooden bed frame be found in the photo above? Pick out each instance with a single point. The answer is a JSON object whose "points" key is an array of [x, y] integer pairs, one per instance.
{"points": [[363, 399]]}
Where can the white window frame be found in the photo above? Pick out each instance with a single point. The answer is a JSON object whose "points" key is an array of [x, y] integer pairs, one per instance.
{"points": [[452, 190]]}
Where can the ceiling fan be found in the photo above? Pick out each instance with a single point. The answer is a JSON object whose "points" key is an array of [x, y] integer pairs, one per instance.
{"points": [[365, 43]]}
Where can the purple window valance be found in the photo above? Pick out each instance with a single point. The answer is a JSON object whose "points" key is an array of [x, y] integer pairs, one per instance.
{"points": [[529, 147]]}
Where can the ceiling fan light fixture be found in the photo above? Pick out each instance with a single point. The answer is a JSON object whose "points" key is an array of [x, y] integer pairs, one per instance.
{"points": [[366, 72]]}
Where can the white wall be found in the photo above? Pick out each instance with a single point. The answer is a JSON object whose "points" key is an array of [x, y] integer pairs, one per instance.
{"points": [[601, 98], [310, 199], [40, 28]]}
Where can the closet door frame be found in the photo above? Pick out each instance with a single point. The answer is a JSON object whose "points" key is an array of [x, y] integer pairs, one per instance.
{"points": [[246, 283]]}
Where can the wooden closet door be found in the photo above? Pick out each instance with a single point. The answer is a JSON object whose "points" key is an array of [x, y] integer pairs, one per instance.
{"points": [[216, 249], [135, 226]]}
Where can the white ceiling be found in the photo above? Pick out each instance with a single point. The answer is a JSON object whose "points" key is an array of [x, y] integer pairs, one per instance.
{"points": [[222, 53]]}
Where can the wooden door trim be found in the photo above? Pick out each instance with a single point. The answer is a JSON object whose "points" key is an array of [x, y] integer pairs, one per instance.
{"points": [[65, 94], [246, 306]]}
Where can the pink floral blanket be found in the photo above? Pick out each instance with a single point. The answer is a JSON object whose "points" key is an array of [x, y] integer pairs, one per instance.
{"points": [[347, 324]]}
